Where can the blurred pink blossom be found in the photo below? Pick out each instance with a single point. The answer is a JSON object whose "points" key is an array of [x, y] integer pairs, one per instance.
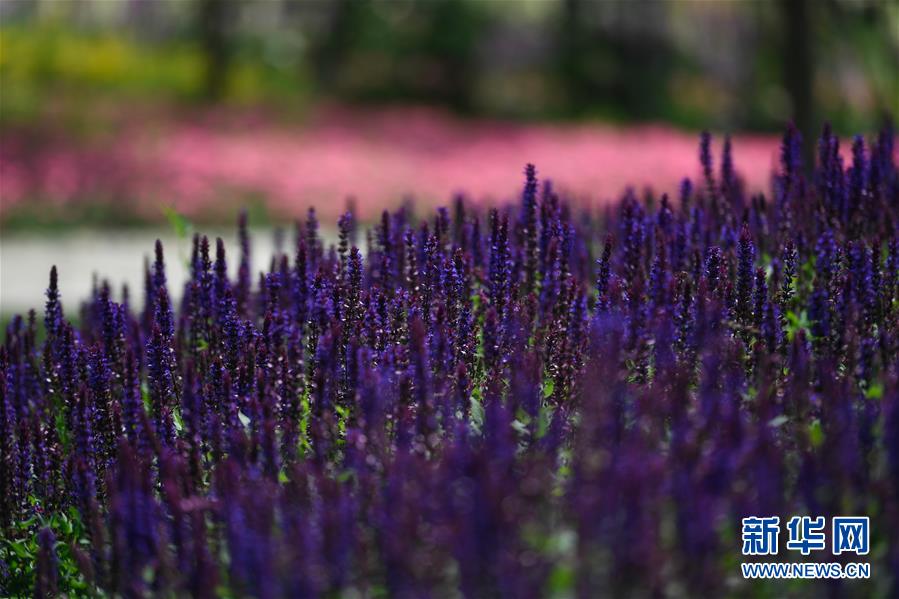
{"points": [[379, 157]]}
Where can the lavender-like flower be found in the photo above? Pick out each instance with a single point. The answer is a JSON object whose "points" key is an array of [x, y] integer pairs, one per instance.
{"points": [[603, 277], [53, 313], [438, 414], [47, 566], [529, 216], [705, 159]]}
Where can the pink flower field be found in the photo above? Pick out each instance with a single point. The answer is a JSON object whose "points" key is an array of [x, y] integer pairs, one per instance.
{"points": [[378, 157]]}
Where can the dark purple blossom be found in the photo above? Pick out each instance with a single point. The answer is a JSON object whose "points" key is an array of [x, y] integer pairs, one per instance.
{"points": [[486, 411], [47, 567]]}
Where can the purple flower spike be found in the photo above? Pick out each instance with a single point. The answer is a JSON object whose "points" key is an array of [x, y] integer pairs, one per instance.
{"points": [[516, 409], [47, 567]]}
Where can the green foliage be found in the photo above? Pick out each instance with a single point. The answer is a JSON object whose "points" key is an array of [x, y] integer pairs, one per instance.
{"points": [[797, 322], [548, 387], [19, 550], [180, 224], [815, 433], [54, 217], [37, 61]]}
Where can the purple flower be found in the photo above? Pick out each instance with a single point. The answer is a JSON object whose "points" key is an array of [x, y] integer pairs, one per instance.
{"points": [[705, 159], [713, 268], [529, 224], [53, 313], [242, 289], [499, 268], [728, 177], [602, 277], [791, 153], [47, 566], [134, 523], [438, 414], [9, 456]]}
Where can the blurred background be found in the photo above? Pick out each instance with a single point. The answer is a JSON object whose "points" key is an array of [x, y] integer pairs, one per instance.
{"points": [[125, 120]]}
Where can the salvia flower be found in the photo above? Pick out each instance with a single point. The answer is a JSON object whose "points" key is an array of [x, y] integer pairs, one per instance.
{"points": [[485, 401], [47, 571]]}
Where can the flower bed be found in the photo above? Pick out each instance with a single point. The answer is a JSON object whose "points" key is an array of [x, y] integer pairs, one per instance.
{"points": [[204, 166], [531, 400]]}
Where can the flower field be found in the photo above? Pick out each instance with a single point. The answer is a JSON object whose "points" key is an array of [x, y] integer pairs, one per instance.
{"points": [[205, 164], [529, 400]]}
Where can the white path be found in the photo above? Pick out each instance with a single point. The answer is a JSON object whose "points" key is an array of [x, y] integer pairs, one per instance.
{"points": [[26, 259]]}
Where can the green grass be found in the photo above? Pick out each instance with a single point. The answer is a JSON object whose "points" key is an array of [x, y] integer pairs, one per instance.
{"points": [[39, 216]]}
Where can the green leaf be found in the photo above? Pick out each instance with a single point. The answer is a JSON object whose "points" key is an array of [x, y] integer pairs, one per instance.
{"points": [[177, 421], [179, 223], [145, 396], [544, 418], [20, 549], [561, 580], [874, 391], [548, 387], [477, 410], [815, 433]]}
